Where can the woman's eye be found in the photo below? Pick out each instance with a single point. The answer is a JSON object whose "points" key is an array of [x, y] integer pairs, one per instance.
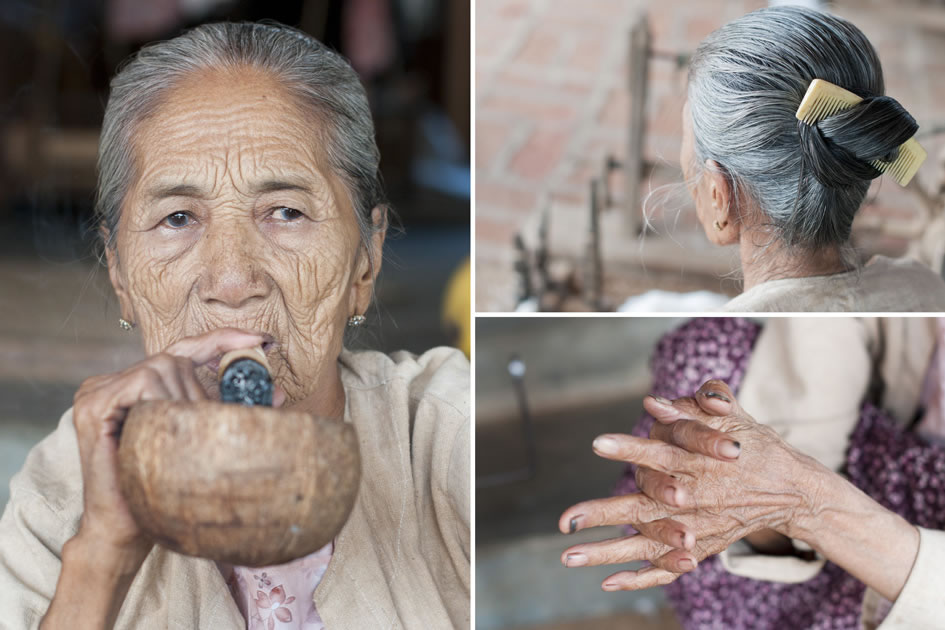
{"points": [[178, 220], [286, 214]]}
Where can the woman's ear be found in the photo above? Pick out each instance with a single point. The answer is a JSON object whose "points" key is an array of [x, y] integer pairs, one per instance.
{"points": [[725, 228], [114, 275], [366, 273]]}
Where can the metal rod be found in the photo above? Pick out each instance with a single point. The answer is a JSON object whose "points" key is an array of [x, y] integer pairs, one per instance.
{"points": [[516, 368], [639, 56]]}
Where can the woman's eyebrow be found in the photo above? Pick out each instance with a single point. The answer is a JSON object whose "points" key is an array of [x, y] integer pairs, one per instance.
{"points": [[163, 191], [269, 186]]}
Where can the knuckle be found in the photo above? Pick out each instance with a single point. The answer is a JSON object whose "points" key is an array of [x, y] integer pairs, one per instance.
{"points": [[661, 431], [653, 549], [162, 360], [679, 432], [665, 578], [674, 459]]}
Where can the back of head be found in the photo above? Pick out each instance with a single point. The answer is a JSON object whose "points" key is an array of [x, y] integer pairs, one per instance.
{"points": [[746, 82]]}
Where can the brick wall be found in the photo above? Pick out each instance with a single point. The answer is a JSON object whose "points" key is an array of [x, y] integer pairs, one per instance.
{"points": [[552, 102]]}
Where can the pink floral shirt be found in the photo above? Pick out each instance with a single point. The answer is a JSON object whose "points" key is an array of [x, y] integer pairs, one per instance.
{"points": [[280, 597]]}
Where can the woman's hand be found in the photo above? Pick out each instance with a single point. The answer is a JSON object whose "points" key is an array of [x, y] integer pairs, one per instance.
{"points": [[109, 548], [736, 477]]}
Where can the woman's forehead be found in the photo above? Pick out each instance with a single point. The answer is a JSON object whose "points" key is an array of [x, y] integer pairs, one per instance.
{"points": [[222, 128]]}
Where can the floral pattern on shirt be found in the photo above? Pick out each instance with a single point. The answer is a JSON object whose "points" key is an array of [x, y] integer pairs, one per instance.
{"points": [[280, 597]]}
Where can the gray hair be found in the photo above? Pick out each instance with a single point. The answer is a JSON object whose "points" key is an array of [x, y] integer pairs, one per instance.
{"points": [[321, 80], [746, 81]]}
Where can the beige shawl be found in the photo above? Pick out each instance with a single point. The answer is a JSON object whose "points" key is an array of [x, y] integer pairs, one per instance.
{"points": [[883, 285], [401, 561]]}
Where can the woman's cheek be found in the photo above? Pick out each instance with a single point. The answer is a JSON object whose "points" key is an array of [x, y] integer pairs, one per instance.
{"points": [[159, 290]]}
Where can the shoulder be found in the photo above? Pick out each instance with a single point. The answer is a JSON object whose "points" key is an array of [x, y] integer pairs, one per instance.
{"points": [[52, 472], [901, 284], [882, 285], [439, 377], [42, 514], [791, 294]]}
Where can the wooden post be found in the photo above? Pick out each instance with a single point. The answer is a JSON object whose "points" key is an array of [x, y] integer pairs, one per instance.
{"points": [[593, 266], [633, 165]]}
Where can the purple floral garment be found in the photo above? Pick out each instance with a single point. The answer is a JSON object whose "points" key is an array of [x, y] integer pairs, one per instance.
{"points": [[898, 469]]}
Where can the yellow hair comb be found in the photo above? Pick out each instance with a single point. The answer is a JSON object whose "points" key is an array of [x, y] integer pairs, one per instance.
{"points": [[824, 99]]}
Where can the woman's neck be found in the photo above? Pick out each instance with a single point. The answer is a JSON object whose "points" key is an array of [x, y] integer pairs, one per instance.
{"points": [[765, 258], [327, 399]]}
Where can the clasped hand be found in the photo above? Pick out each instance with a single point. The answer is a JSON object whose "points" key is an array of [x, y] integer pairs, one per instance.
{"points": [[708, 476]]}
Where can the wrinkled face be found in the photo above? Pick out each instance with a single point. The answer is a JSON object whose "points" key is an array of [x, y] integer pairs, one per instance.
{"points": [[233, 220]]}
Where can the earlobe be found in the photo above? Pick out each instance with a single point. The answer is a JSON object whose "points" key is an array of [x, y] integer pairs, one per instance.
{"points": [[724, 222]]}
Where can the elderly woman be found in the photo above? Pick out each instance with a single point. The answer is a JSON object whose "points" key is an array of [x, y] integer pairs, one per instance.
{"points": [[240, 205], [784, 191], [712, 476]]}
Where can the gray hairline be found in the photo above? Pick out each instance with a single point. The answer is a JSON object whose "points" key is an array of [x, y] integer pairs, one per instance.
{"points": [[117, 151]]}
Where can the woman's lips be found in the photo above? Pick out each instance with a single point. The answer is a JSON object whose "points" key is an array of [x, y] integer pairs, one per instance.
{"points": [[269, 342]]}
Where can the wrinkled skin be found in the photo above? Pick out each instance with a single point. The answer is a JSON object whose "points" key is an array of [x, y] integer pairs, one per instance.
{"points": [[235, 221], [706, 497], [233, 234]]}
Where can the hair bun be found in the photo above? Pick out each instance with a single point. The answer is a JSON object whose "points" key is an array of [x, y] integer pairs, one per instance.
{"points": [[839, 148]]}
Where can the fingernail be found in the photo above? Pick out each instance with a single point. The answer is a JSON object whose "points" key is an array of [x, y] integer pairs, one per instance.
{"points": [[713, 394], [575, 523], [605, 445], [730, 449], [686, 564], [611, 586], [665, 406], [575, 560], [670, 496]]}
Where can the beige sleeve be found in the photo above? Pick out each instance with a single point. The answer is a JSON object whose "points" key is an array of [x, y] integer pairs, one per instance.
{"points": [[807, 378], [440, 448], [35, 525], [921, 604]]}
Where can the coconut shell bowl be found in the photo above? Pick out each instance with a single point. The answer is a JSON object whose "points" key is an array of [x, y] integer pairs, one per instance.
{"points": [[238, 481]]}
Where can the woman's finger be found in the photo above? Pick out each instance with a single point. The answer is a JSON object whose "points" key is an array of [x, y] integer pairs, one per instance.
{"points": [[194, 389], [716, 398], [278, 396], [671, 533], [167, 368], [628, 509], [647, 577], [661, 487], [614, 551], [654, 454], [696, 437], [206, 347], [661, 408], [676, 561]]}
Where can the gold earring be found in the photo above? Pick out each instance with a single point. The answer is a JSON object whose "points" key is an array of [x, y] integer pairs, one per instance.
{"points": [[124, 324], [356, 320], [720, 226]]}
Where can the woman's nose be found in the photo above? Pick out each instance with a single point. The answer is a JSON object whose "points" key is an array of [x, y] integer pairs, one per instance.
{"points": [[232, 268]]}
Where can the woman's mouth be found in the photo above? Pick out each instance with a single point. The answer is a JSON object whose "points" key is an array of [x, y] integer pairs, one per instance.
{"points": [[269, 343]]}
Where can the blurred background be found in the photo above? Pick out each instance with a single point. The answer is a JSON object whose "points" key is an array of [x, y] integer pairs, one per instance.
{"points": [[578, 108], [545, 388], [58, 316]]}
